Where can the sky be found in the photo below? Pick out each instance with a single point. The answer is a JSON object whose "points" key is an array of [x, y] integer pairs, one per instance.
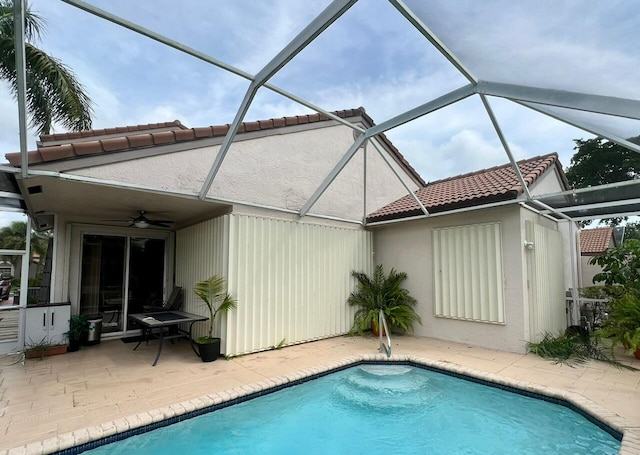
{"points": [[371, 57]]}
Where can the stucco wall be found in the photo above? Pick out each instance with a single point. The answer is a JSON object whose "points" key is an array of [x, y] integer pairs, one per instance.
{"points": [[547, 183], [408, 247], [280, 170], [588, 271]]}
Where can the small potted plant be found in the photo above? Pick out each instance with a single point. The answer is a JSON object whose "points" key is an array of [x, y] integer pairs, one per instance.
{"points": [[212, 292], [78, 331], [43, 348]]}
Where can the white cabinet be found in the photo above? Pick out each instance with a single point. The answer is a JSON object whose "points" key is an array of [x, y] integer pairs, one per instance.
{"points": [[47, 323]]}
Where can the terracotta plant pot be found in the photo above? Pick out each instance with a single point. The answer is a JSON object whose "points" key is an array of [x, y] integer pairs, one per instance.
{"points": [[49, 350], [636, 354], [375, 329]]}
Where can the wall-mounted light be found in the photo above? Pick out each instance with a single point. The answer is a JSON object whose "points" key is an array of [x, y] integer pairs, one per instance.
{"points": [[528, 245]]}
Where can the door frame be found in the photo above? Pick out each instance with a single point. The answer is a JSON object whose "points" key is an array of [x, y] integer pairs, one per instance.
{"points": [[76, 234]]}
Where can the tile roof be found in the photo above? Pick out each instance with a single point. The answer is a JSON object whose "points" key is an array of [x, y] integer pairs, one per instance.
{"points": [[119, 130], [595, 241], [75, 145], [495, 184]]}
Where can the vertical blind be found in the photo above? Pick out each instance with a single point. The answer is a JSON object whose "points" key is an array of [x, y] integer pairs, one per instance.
{"points": [[468, 269], [545, 272], [291, 279]]}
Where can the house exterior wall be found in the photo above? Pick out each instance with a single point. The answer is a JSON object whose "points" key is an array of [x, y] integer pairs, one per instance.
{"points": [[392, 243], [202, 250], [291, 279], [548, 183], [588, 271], [279, 170], [545, 284], [528, 271]]}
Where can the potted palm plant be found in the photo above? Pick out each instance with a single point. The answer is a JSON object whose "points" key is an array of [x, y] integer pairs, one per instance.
{"points": [[212, 292], [382, 292]]}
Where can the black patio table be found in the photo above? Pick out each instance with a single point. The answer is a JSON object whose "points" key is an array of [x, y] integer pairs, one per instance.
{"points": [[165, 325]]}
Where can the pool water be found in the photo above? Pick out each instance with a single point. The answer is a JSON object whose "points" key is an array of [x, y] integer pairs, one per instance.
{"points": [[380, 409]]}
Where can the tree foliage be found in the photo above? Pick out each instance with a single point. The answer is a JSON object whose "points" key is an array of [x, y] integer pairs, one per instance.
{"points": [[620, 265], [13, 237], [599, 162], [632, 231], [54, 95]]}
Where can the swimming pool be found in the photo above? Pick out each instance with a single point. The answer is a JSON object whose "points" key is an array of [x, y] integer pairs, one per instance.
{"points": [[372, 408]]}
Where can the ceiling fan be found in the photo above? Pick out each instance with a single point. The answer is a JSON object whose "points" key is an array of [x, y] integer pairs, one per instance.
{"points": [[141, 221]]}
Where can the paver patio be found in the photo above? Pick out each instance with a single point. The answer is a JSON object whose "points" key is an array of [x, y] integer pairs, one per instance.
{"points": [[109, 381]]}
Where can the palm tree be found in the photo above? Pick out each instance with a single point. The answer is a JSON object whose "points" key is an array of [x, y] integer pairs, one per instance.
{"points": [[212, 292], [54, 95], [382, 292]]}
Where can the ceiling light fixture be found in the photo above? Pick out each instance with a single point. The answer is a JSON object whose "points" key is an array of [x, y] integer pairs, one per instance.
{"points": [[142, 224]]}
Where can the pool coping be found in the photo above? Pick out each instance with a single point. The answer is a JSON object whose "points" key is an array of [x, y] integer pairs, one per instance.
{"points": [[87, 438]]}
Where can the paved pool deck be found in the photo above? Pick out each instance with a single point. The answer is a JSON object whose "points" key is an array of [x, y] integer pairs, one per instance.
{"points": [[64, 400]]}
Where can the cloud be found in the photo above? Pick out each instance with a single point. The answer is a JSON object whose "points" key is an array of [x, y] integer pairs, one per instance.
{"points": [[6, 218], [370, 57], [581, 46]]}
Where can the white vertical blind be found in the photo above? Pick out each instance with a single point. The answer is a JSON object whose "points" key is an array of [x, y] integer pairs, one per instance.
{"points": [[545, 268], [291, 280], [201, 251], [468, 281]]}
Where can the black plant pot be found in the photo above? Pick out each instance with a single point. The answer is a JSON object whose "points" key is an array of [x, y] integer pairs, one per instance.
{"points": [[74, 345], [209, 351]]}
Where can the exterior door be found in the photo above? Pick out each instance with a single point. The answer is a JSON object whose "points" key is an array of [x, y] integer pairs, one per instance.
{"points": [[120, 275]]}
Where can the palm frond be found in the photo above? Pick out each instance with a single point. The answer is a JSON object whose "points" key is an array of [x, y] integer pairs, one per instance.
{"points": [[34, 25], [54, 95], [212, 291], [572, 350], [382, 292]]}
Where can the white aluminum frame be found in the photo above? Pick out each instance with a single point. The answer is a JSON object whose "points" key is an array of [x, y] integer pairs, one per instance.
{"points": [[534, 98]]}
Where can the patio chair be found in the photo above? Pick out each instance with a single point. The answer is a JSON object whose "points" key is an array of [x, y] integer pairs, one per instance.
{"points": [[173, 303]]}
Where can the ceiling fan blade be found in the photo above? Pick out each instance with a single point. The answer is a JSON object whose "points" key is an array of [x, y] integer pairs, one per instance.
{"points": [[160, 223], [143, 221]]}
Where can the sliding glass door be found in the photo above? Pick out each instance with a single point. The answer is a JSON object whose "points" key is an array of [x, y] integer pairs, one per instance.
{"points": [[119, 276]]}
